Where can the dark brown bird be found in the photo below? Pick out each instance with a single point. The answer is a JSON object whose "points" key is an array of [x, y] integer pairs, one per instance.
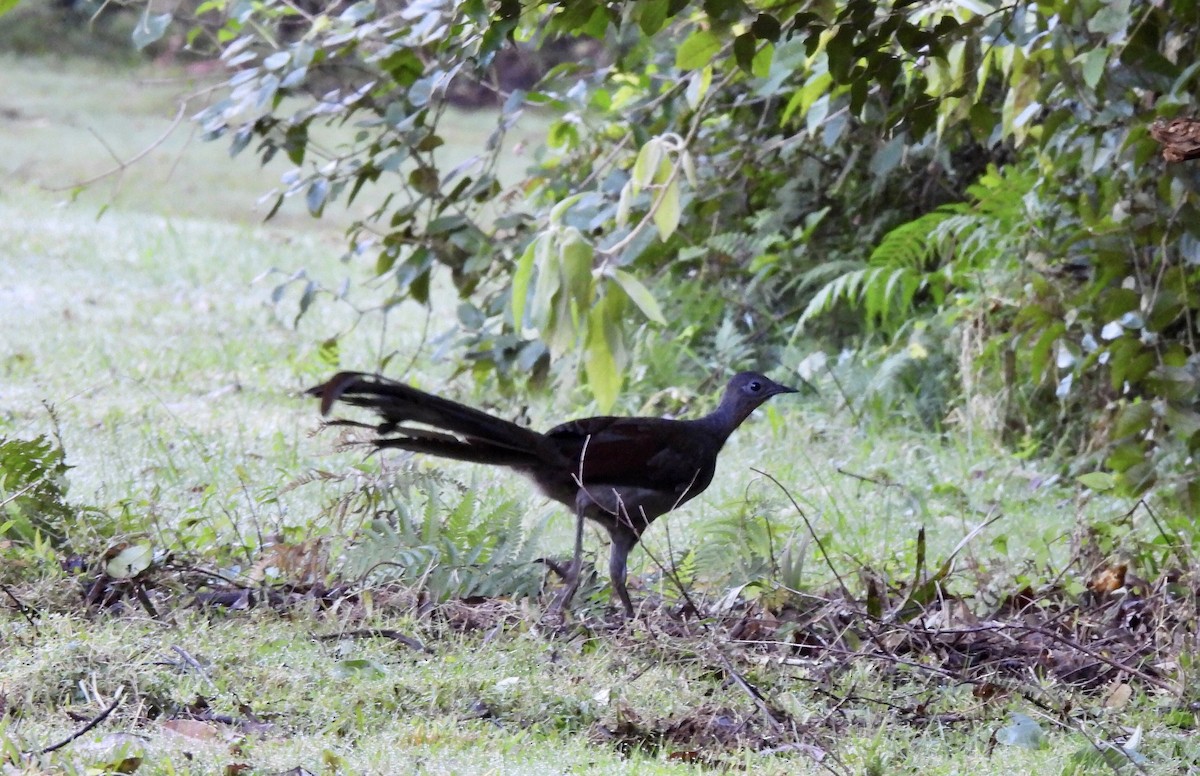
{"points": [[619, 472]]}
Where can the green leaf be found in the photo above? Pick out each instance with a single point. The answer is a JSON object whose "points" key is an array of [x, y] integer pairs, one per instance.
{"points": [[666, 216], [1093, 66], [520, 282], [1097, 481], [650, 15], [559, 211], [697, 50], [599, 362], [576, 255], [816, 86], [640, 295], [760, 66], [976, 7], [7, 5], [645, 167], [744, 47], [1112, 18], [549, 282], [766, 27], [424, 179], [1133, 419], [149, 28], [624, 203], [840, 52]]}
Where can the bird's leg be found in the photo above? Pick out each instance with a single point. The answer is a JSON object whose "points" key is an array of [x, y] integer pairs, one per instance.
{"points": [[622, 543], [568, 592]]}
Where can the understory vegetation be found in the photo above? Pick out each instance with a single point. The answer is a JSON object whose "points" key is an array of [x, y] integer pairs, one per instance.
{"points": [[971, 548]]}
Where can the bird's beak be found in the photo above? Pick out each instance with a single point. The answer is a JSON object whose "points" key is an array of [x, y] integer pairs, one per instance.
{"points": [[808, 387]]}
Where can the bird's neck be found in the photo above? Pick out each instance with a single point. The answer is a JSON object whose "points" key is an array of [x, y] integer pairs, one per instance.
{"points": [[722, 421]]}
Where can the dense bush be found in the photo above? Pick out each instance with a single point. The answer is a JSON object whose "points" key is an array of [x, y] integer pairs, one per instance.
{"points": [[967, 191]]}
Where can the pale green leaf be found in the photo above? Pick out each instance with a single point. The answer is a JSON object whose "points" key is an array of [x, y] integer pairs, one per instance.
{"points": [[1111, 18], [640, 295], [1093, 66], [698, 86], [315, 198], [816, 113], [624, 203], [600, 365], [975, 6], [689, 167], [560, 210], [646, 165], [666, 216], [1097, 481], [576, 256], [520, 283], [815, 87], [130, 562], [664, 172], [549, 281]]}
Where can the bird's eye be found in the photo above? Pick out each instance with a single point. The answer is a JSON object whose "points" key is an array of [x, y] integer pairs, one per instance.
{"points": [[755, 386]]}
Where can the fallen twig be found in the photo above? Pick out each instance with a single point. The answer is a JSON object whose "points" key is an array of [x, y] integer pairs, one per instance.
{"points": [[379, 633], [93, 723]]}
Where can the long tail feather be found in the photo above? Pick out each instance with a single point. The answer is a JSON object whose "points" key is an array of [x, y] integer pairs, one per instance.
{"points": [[462, 433]]}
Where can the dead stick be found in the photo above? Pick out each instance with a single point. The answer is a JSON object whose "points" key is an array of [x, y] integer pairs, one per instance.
{"points": [[96, 721]]}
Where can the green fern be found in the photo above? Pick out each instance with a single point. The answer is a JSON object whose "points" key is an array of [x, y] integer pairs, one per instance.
{"points": [[451, 542], [917, 264], [33, 490]]}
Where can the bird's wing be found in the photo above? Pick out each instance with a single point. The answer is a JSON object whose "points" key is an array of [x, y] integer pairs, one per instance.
{"points": [[638, 452]]}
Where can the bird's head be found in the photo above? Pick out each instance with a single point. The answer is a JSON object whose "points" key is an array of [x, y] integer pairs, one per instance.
{"points": [[745, 392]]}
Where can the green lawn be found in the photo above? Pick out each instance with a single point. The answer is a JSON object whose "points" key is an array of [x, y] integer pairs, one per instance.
{"points": [[142, 330]]}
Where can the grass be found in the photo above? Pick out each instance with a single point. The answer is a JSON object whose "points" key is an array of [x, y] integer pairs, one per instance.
{"points": [[147, 337]]}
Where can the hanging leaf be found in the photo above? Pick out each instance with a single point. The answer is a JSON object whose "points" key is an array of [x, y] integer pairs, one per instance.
{"points": [[318, 190], [576, 256], [149, 28], [646, 166], [520, 282], [600, 363], [640, 295], [698, 86], [667, 214]]}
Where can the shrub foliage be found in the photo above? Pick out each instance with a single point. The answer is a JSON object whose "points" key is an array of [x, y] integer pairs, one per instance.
{"points": [[971, 185]]}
